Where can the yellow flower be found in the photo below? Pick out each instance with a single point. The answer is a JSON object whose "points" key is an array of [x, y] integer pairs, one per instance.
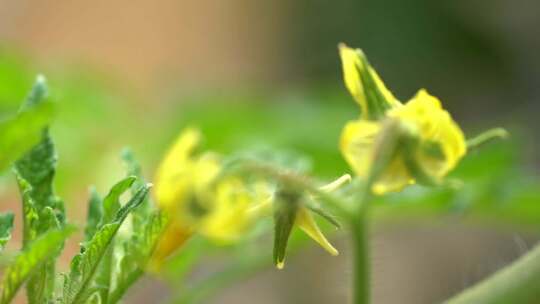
{"points": [[438, 147], [365, 85], [195, 202]]}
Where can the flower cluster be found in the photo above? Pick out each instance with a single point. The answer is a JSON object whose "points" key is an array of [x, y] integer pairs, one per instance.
{"points": [[391, 145], [198, 198]]}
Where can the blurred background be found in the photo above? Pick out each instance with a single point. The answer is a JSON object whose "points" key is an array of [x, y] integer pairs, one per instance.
{"points": [[134, 73]]}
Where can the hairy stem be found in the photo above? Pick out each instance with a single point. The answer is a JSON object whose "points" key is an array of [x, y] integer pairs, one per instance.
{"points": [[360, 250]]}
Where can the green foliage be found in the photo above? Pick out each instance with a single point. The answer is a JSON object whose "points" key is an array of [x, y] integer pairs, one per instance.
{"points": [[35, 172], [6, 225], [133, 168], [137, 252], [148, 224], [94, 214], [19, 133], [31, 260], [78, 284], [110, 262], [111, 202]]}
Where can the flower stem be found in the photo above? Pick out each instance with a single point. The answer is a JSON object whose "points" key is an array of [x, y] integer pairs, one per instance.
{"points": [[360, 249], [517, 283]]}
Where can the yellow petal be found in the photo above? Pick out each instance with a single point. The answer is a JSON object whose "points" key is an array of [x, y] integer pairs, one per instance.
{"points": [[354, 65], [228, 218], [436, 128], [351, 63], [174, 237], [170, 180], [394, 178], [305, 221], [356, 144]]}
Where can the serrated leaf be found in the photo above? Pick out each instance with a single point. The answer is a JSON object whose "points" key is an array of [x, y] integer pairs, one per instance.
{"points": [[111, 202], [133, 168], [30, 215], [32, 259], [37, 168], [6, 225], [133, 203], [85, 266], [137, 253], [94, 216]]}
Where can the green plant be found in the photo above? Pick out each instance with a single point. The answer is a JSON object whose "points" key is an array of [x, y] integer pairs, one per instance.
{"points": [[202, 198]]}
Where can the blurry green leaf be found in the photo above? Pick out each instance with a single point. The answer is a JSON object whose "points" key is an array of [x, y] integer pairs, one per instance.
{"points": [[94, 216], [140, 215], [20, 133], [86, 264], [14, 77], [6, 224], [32, 259]]}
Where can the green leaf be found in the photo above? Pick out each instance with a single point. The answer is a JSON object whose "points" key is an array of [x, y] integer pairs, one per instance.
{"points": [[32, 259], [18, 134], [85, 265], [37, 168], [37, 94], [135, 201], [30, 215], [147, 225], [111, 202], [6, 224], [140, 215], [138, 250], [94, 216]]}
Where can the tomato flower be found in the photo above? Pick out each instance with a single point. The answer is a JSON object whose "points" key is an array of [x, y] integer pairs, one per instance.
{"points": [[188, 190], [431, 145]]}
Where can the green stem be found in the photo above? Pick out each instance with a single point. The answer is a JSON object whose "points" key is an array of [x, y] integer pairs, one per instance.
{"points": [[360, 250], [516, 283], [486, 137]]}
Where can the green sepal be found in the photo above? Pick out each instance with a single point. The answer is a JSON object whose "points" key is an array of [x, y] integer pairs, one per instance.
{"points": [[377, 104], [285, 209], [317, 209]]}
